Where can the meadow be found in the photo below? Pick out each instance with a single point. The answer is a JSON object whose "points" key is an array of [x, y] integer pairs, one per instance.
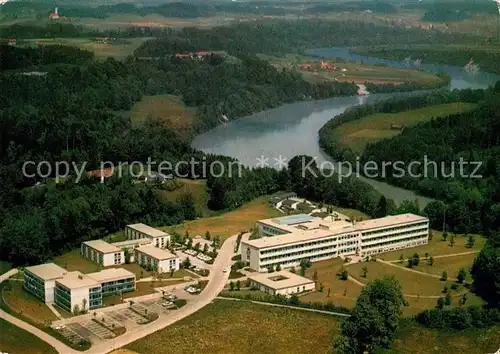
{"points": [[16, 340], [358, 133]]}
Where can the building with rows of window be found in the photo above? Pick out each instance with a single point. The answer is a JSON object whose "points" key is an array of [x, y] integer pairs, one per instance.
{"points": [[287, 240], [102, 252], [74, 291], [156, 259], [157, 237]]}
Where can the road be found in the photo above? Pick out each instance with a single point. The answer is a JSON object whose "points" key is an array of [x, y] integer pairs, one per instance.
{"points": [[217, 280]]}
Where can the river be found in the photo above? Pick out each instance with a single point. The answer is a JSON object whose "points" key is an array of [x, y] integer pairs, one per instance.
{"points": [[292, 129]]}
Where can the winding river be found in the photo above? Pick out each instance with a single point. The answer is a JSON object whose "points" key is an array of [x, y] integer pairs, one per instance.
{"points": [[292, 129]]}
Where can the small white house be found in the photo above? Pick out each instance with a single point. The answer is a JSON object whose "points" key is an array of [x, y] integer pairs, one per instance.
{"points": [[157, 259], [101, 252], [282, 283]]}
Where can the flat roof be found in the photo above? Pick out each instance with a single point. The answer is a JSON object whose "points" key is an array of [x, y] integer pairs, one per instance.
{"points": [[301, 236], [148, 230], [156, 252], [138, 241], [47, 271], [391, 220], [293, 219], [280, 280], [76, 279], [111, 274], [102, 246]]}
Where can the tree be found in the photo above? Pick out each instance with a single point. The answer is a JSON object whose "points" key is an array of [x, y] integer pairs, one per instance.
{"points": [[462, 274], [416, 259], [440, 303], [410, 263], [470, 241], [430, 261], [126, 253], [292, 270], [343, 274], [207, 235], [374, 320], [270, 268], [444, 276], [447, 300], [320, 287], [401, 259], [186, 264], [205, 248], [445, 235], [381, 209], [278, 267], [231, 286], [238, 285], [445, 289], [172, 271], [452, 241], [76, 309], [463, 300], [197, 247], [365, 271], [84, 305], [189, 241], [315, 275], [486, 273]]}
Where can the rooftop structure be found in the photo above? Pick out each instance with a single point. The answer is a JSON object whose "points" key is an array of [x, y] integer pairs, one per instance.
{"points": [[48, 271], [147, 230], [76, 279], [111, 274], [132, 243], [156, 253], [280, 280], [102, 246], [390, 220]]}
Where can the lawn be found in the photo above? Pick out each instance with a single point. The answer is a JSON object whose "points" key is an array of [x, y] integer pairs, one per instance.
{"points": [[16, 340], [230, 223], [72, 261], [241, 327], [26, 304], [118, 50], [342, 292], [437, 247], [449, 264], [352, 213], [413, 338], [358, 133], [167, 108], [412, 283]]}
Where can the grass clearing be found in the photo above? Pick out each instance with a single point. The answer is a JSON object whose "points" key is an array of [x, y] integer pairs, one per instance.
{"points": [[342, 292], [358, 133], [449, 264], [197, 188], [167, 108], [230, 223], [26, 304], [118, 50], [437, 247], [241, 327], [412, 283], [73, 261], [16, 340], [357, 73]]}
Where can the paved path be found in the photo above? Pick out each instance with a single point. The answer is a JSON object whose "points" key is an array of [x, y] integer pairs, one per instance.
{"points": [[8, 274], [285, 306]]}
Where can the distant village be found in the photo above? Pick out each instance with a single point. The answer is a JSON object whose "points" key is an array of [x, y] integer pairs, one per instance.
{"points": [[320, 66]]}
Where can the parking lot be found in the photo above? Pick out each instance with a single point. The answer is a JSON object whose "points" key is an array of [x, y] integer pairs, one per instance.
{"points": [[103, 325]]}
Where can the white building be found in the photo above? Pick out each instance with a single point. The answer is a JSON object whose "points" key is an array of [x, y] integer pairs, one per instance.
{"points": [[78, 292], [156, 259], [158, 238], [288, 240], [40, 280], [131, 245], [101, 252], [281, 283]]}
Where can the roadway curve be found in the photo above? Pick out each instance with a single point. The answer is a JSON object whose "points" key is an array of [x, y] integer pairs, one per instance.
{"points": [[217, 280]]}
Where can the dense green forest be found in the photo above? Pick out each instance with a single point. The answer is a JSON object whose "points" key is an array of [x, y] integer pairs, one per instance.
{"points": [[472, 205], [486, 59]]}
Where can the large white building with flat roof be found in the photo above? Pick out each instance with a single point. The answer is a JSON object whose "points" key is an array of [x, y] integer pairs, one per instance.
{"points": [[101, 252], [287, 240], [158, 238], [40, 280]]}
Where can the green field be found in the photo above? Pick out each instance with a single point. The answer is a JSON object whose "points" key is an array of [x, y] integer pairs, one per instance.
{"points": [[16, 340], [119, 50], [357, 73], [358, 133], [167, 108], [230, 223], [437, 247], [449, 264], [240, 327]]}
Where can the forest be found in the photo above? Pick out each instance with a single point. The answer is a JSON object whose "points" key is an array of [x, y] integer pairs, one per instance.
{"points": [[471, 205]]}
